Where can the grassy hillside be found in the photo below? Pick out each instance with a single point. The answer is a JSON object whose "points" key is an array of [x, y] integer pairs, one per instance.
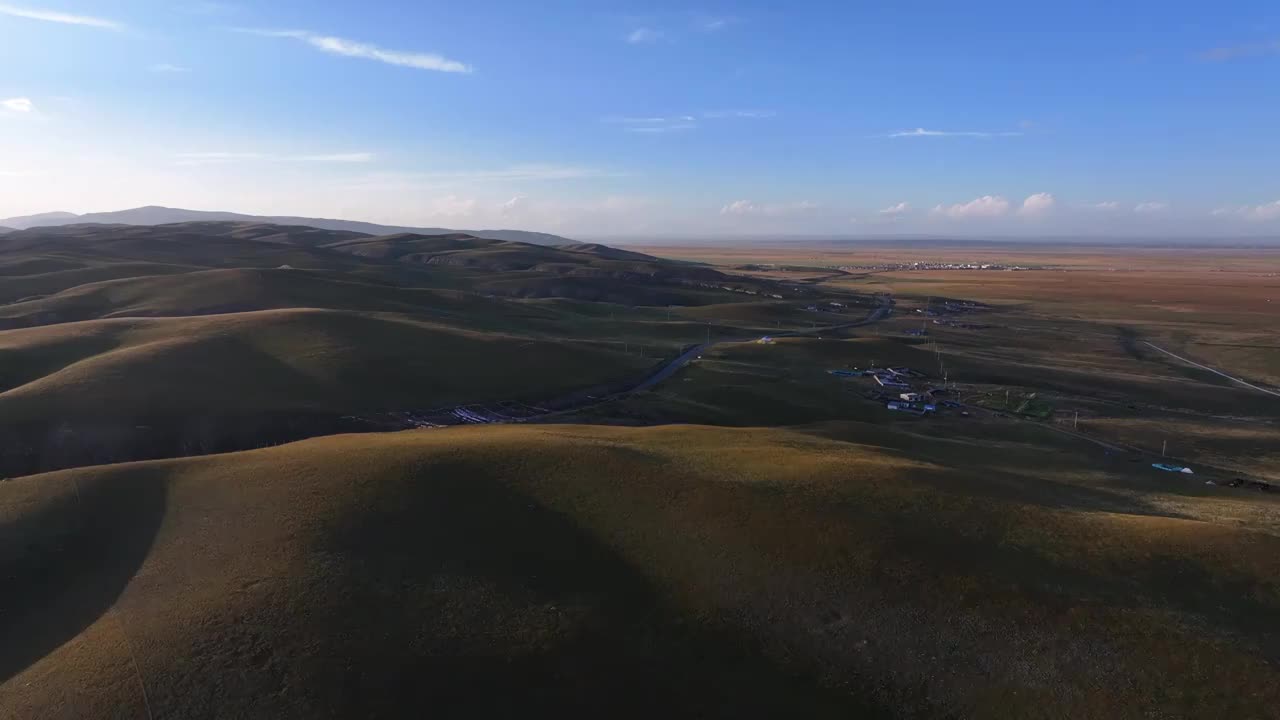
{"points": [[281, 360], [605, 251], [243, 289], [484, 572], [36, 277], [47, 260], [503, 256], [855, 563], [190, 244], [125, 342]]}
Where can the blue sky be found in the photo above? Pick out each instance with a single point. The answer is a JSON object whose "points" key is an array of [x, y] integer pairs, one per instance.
{"points": [[655, 118]]}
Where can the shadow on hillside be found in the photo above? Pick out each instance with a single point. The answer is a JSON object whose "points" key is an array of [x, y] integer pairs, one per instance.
{"points": [[65, 564], [465, 598]]}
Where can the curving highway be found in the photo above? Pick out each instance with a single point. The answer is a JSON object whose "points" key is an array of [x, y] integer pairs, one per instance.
{"points": [[880, 313]]}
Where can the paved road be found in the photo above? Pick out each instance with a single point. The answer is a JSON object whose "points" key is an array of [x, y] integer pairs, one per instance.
{"points": [[671, 368], [1214, 371]]}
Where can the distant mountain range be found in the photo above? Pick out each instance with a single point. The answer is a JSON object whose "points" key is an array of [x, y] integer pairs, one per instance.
{"points": [[155, 215]]}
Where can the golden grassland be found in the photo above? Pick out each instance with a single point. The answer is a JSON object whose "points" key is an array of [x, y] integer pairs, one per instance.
{"points": [[1047, 254], [1222, 304]]}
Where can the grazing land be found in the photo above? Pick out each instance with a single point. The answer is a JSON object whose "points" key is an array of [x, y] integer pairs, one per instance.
{"points": [[801, 480]]}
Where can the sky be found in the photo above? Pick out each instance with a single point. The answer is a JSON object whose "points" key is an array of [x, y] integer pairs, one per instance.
{"points": [[656, 119]]}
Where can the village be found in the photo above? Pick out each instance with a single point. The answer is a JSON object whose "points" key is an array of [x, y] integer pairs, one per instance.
{"points": [[928, 265], [894, 387]]}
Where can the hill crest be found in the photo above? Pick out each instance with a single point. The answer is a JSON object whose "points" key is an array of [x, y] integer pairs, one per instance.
{"points": [[159, 215]]}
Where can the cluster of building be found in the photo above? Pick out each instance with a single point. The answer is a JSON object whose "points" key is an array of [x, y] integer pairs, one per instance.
{"points": [[730, 288], [951, 307], [831, 307], [930, 265], [895, 390], [941, 310]]}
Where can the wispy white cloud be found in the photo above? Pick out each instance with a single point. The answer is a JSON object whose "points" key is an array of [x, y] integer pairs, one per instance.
{"points": [[643, 35], [651, 129], [748, 207], [1257, 213], [673, 123], [713, 23], [168, 68], [220, 157], [355, 157], [987, 206], [896, 210], [18, 105], [921, 132], [1105, 205], [351, 48], [478, 209], [532, 172], [656, 124], [514, 205], [1150, 207], [1267, 211], [1037, 205], [55, 16], [1235, 52], [656, 120], [743, 114]]}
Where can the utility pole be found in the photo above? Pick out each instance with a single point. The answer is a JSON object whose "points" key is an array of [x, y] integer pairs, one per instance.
{"points": [[1076, 424]]}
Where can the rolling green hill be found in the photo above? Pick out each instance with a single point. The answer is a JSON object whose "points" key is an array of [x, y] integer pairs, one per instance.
{"points": [[121, 342], [191, 244], [44, 261], [502, 256], [206, 292], [282, 360], [572, 571]]}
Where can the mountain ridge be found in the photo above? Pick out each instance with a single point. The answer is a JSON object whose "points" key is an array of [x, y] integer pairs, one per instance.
{"points": [[158, 215]]}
